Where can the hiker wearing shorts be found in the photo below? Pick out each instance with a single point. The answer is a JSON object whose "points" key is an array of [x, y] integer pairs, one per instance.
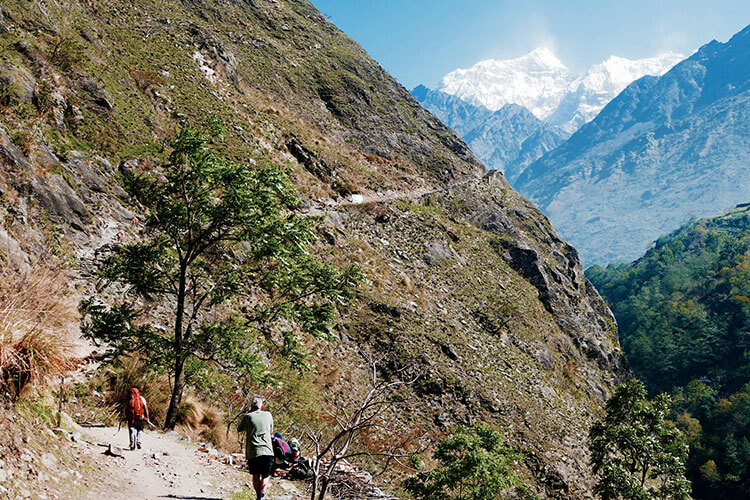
{"points": [[258, 426], [136, 413]]}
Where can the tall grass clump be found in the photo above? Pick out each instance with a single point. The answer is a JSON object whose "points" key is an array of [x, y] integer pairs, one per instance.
{"points": [[132, 371], [37, 314]]}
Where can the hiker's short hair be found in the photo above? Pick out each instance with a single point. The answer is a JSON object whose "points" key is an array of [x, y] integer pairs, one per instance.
{"points": [[256, 403]]}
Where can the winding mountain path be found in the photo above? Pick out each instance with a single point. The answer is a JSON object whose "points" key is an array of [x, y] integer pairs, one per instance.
{"points": [[167, 467], [323, 206]]}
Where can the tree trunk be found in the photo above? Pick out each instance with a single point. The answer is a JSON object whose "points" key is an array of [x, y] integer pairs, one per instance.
{"points": [[323, 487], [179, 362], [314, 490], [179, 387]]}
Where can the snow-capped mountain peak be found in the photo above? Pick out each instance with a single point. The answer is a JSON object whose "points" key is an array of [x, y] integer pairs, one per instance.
{"points": [[537, 80], [618, 72], [541, 56], [592, 91], [543, 84]]}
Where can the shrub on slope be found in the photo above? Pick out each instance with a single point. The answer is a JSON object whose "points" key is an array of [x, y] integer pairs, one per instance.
{"points": [[36, 313]]}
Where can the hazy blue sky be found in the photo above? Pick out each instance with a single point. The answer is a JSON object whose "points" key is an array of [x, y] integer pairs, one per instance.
{"points": [[418, 41]]}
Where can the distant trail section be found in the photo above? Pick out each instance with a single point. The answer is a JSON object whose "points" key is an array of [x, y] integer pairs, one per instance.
{"points": [[320, 208]]}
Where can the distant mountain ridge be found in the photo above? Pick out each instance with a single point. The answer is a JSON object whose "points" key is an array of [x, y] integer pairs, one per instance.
{"points": [[592, 91], [537, 81], [507, 140], [513, 112], [540, 82], [665, 149]]}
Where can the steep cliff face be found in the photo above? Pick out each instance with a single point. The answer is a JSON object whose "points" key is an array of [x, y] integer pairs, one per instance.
{"points": [[471, 288]]}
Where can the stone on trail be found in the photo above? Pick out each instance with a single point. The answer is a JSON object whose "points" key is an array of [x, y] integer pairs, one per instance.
{"points": [[115, 451]]}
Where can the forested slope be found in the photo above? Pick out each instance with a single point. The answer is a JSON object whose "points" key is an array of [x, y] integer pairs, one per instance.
{"points": [[684, 316]]}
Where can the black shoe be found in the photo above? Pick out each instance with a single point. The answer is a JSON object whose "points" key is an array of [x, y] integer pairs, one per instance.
{"points": [[139, 446]]}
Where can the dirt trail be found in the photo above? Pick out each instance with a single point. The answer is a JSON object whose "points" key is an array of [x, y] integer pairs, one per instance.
{"points": [[321, 208], [167, 467]]}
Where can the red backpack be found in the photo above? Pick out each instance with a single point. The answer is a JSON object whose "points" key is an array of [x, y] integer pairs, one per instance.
{"points": [[135, 409]]}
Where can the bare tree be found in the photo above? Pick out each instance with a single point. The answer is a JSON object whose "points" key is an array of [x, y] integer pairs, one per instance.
{"points": [[356, 422]]}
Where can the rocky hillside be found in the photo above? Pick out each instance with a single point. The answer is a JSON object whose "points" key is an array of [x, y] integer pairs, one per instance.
{"points": [[470, 287], [507, 140], [664, 150]]}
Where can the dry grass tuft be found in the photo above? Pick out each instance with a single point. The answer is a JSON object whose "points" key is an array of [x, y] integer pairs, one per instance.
{"points": [[37, 318], [191, 413], [132, 372], [200, 420]]}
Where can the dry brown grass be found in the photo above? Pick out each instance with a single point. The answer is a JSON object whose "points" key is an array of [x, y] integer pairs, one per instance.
{"points": [[37, 318], [132, 372], [199, 420]]}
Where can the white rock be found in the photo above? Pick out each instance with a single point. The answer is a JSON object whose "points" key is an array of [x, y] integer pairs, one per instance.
{"points": [[49, 460]]}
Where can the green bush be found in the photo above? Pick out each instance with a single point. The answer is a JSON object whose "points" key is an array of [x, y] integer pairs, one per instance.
{"points": [[43, 97], [635, 451], [9, 93], [473, 464], [68, 54]]}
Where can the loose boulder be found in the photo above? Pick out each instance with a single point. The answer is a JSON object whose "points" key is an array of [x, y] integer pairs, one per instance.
{"points": [[16, 84]]}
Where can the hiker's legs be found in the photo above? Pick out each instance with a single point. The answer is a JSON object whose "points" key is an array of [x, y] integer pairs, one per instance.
{"points": [[139, 438], [260, 468], [260, 484], [133, 436], [263, 485]]}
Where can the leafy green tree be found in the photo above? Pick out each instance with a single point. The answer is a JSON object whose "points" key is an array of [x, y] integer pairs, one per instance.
{"points": [[473, 464], [636, 452], [225, 261]]}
